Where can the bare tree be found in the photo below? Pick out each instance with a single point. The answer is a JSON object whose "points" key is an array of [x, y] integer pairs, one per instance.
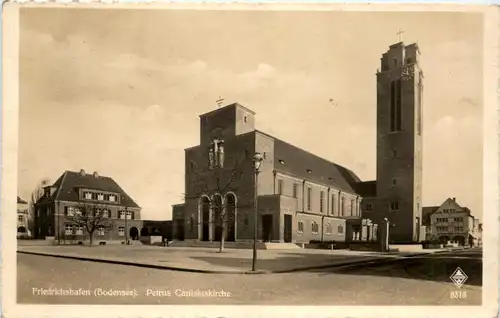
{"points": [[91, 217], [217, 180], [36, 194]]}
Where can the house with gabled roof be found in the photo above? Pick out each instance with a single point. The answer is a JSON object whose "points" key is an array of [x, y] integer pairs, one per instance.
{"points": [[451, 222], [73, 191]]}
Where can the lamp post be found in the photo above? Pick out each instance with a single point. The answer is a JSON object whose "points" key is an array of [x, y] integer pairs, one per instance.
{"points": [[126, 229], [56, 214], [257, 161], [385, 239]]}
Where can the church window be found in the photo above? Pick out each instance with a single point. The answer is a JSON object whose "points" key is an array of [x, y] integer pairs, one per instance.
{"points": [[295, 190], [280, 187], [333, 204], [329, 229], [340, 229], [396, 105], [300, 227], [394, 206], [321, 199], [314, 228], [309, 194]]}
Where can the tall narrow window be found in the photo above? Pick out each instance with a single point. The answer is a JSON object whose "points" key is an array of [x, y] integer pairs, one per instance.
{"points": [[352, 208], [398, 106], [321, 199], [333, 204], [309, 194], [295, 190], [280, 187], [396, 118], [419, 108], [342, 207], [393, 106]]}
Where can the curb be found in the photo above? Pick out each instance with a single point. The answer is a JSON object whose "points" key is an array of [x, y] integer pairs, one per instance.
{"points": [[370, 262]]}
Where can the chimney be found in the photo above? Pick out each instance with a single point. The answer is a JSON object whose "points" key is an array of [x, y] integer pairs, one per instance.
{"points": [[454, 199], [82, 172], [96, 174]]}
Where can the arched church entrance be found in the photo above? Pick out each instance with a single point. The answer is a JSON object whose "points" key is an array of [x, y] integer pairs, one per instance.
{"points": [[205, 218], [217, 220], [231, 217]]}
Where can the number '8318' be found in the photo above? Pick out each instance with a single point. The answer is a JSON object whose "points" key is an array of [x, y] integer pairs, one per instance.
{"points": [[458, 294]]}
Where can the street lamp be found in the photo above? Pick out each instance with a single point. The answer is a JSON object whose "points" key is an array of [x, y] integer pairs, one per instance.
{"points": [[126, 230], [257, 161], [56, 215], [385, 239]]}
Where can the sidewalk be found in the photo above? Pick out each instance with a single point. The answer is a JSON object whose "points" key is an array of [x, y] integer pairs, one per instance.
{"points": [[205, 260]]}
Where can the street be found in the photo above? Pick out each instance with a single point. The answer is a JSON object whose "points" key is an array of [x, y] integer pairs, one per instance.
{"points": [[413, 281]]}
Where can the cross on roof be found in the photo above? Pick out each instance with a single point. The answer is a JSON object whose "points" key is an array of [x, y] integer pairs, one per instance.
{"points": [[219, 101], [400, 35]]}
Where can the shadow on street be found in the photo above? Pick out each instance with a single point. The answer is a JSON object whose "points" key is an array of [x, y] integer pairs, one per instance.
{"points": [[436, 268], [283, 261]]}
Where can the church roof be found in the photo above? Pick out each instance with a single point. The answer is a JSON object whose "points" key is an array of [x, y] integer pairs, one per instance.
{"points": [[21, 201], [367, 189], [70, 182], [427, 211], [292, 160]]}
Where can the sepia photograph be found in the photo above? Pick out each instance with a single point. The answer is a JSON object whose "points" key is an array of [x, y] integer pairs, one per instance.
{"points": [[248, 156]]}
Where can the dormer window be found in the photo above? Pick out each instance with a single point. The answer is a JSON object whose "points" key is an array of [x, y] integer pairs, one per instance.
{"points": [[282, 162], [88, 195], [309, 171]]}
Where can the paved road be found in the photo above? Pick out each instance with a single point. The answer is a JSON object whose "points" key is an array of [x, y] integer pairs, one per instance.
{"points": [[416, 281]]}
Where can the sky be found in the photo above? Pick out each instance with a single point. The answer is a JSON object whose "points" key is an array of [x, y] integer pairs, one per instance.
{"points": [[120, 91]]}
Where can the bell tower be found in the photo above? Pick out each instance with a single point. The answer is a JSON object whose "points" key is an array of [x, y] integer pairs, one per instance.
{"points": [[399, 142]]}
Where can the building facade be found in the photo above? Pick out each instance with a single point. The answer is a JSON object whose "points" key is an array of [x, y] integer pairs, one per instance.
{"points": [[22, 219], [76, 192], [451, 222], [302, 197], [396, 194]]}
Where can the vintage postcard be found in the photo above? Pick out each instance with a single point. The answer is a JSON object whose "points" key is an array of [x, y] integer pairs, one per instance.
{"points": [[220, 160]]}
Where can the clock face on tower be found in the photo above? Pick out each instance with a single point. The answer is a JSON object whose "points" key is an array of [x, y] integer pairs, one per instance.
{"points": [[407, 73]]}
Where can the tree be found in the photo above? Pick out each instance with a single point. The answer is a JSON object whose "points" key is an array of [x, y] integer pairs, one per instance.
{"points": [[91, 217], [217, 180], [36, 194]]}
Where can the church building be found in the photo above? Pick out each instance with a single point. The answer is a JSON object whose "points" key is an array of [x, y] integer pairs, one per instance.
{"points": [[300, 196]]}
